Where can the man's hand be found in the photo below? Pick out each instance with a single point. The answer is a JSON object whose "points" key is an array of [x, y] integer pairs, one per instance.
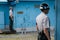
{"points": [[36, 26], [49, 39]]}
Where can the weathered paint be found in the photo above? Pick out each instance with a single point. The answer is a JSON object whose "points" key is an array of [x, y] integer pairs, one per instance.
{"points": [[5, 10], [27, 19]]}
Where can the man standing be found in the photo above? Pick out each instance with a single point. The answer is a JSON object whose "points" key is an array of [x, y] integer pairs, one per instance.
{"points": [[42, 23], [11, 19]]}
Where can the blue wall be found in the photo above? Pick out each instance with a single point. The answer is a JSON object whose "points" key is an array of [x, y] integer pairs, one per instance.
{"points": [[27, 19], [29, 13], [57, 20], [5, 9]]}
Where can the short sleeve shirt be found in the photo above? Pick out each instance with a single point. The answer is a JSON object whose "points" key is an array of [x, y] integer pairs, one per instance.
{"points": [[42, 21], [10, 13]]}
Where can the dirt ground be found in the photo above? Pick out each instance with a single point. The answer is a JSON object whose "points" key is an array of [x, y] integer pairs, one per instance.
{"points": [[32, 36]]}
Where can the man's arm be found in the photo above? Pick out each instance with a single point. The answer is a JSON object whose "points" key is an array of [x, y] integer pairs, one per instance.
{"points": [[47, 33], [46, 26], [36, 26]]}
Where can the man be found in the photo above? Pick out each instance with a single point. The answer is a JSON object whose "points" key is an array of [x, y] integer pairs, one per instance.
{"points": [[42, 23], [11, 19]]}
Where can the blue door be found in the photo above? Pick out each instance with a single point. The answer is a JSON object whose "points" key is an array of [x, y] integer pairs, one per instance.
{"points": [[1, 20]]}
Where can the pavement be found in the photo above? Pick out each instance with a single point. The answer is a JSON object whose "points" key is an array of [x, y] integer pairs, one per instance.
{"points": [[29, 36]]}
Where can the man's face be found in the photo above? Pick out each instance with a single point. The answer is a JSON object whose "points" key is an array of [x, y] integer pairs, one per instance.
{"points": [[46, 11], [10, 8]]}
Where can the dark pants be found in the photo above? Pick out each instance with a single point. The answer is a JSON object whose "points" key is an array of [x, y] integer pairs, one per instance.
{"points": [[11, 24], [42, 36]]}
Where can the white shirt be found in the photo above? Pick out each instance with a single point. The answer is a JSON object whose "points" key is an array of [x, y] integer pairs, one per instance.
{"points": [[10, 13], [42, 21]]}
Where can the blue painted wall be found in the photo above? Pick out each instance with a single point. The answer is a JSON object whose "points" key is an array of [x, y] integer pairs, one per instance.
{"points": [[5, 9], [29, 13], [36, 0], [57, 20], [27, 19]]}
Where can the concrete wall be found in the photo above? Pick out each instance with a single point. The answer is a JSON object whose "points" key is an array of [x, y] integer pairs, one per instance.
{"points": [[57, 35], [27, 19], [5, 10]]}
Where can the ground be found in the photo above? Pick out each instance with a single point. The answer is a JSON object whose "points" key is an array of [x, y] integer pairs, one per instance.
{"points": [[31, 36]]}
